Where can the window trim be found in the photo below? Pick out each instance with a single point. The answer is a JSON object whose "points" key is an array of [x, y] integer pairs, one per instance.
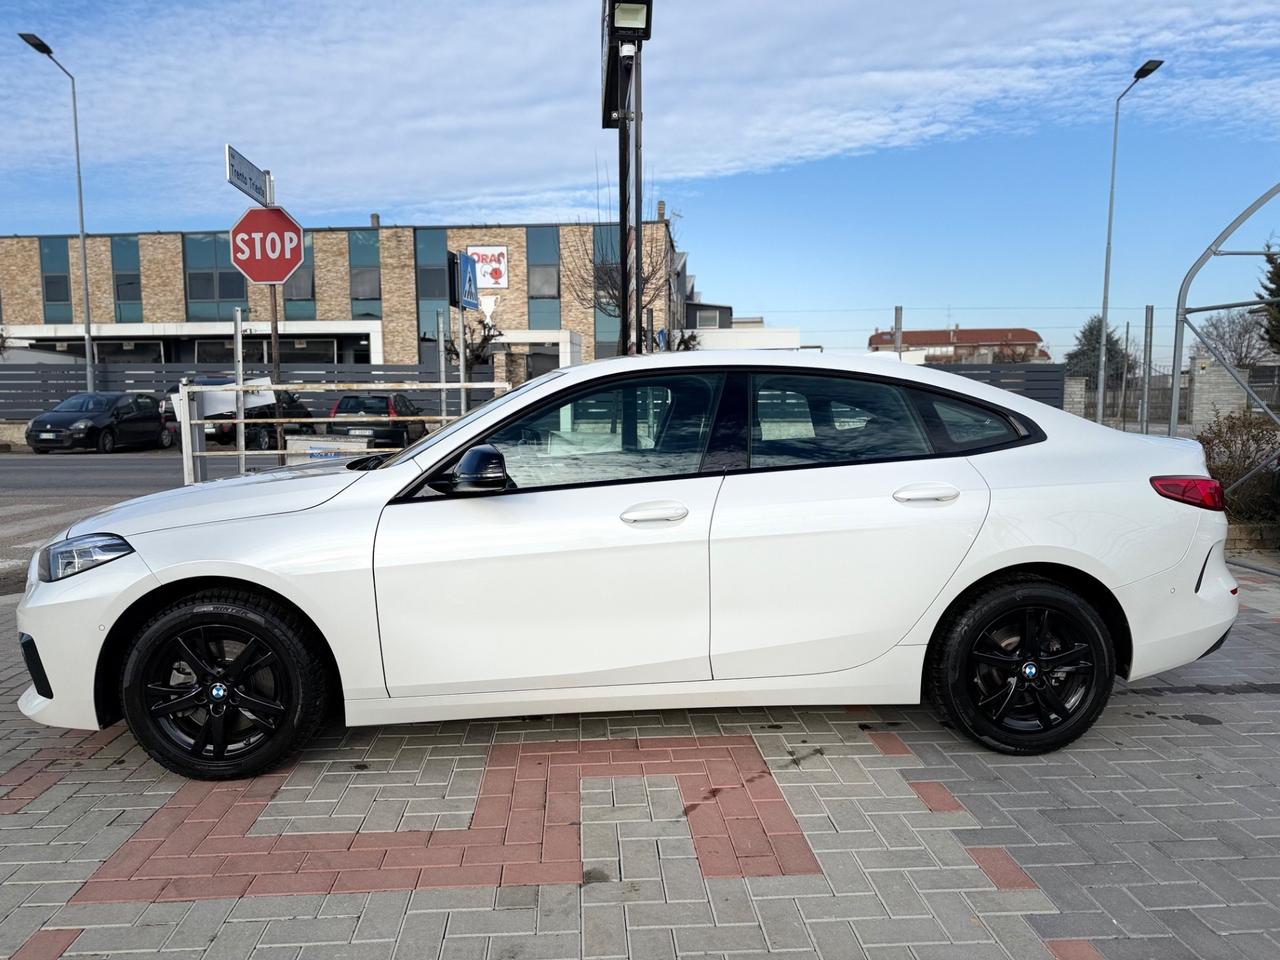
{"points": [[1029, 431]]}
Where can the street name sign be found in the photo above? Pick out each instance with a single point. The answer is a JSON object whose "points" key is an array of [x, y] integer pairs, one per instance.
{"points": [[248, 178], [266, 245]]}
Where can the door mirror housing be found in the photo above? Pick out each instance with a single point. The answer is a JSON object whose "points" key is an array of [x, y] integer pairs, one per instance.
{"points": [[482, 469]]}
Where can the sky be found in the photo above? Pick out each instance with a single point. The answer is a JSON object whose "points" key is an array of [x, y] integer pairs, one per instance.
{"points": [[824, 159]]}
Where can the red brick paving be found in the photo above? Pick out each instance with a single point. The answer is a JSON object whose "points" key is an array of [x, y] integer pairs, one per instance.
{"points": [[525, 829], [1072, 950], [46, 945], [1001, 868], [890, 744], [937, 797]]}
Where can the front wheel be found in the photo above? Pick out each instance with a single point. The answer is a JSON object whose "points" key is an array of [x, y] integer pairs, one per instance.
{"points": [[1024, 668], [164, 440], [222, 685], [107, 441]]}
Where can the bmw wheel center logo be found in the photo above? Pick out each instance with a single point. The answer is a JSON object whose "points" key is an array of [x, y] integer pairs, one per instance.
{"points": [[1030, 671], [218, 692]]}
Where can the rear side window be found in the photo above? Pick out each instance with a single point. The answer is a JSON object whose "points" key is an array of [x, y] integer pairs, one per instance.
{"points": [[962, 427], [802, 420]]}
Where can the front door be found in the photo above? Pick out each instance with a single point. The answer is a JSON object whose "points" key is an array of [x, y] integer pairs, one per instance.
{"points": [[592, 569], [842, 531]]}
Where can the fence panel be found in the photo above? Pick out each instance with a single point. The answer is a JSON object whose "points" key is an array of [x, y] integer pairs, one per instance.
{"points": [[1039, 381]]}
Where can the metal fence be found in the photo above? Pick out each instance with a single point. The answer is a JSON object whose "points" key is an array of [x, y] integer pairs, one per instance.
{"points": [[1039, 381], [26, 391]]}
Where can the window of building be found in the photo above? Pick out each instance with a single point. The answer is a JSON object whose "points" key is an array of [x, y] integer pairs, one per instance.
{"points": [[126, 275], [638, 429], [800, 420], [55, 278], [431, 259], [365, 261], [214, 286], [608, 327], [707, 319], [543, 251], [300, 289]]}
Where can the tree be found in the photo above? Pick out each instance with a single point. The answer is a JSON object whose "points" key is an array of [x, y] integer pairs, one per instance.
{"points": [[4, 342], [1270, 290], [1082, 361], [480, 337], [597, 285], [1239, 337]]}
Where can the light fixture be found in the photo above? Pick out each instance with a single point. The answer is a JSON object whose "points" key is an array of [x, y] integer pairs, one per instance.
{"points": [[631, 20], [36, 44], [1147, 69]]}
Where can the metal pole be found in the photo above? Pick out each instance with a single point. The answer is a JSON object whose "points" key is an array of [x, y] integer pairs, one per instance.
{"points": [[84, 256], [1180, 315], [1124, 379], [624, 187], [275, 371], [1106, 271], [1144, 410], [238, 356], [897, 331], [638, 201], [462, 360], [440, 364]]}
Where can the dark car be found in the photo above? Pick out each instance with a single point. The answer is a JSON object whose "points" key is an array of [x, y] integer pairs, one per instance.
{"points": [[393, 432], [261, 436], [100, 421]]}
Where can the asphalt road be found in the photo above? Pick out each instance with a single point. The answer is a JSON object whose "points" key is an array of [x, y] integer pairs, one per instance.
{"points": [[40, 495]]}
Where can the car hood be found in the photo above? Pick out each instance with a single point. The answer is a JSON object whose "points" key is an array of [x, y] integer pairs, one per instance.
{"points": [[283, 490], [63, 418]]}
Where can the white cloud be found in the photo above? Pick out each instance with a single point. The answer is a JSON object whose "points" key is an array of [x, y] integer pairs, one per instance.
{"points": [[440, 112]]}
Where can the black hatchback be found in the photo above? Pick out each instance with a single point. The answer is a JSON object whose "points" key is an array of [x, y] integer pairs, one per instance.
{"points": [[100, 421]]}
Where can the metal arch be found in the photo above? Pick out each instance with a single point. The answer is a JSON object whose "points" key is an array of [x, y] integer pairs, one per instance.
{"points": [[1180, 317]]}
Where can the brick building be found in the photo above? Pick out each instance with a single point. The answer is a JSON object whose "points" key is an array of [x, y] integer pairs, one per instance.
{"points": [[976, 345], [363, 294]]}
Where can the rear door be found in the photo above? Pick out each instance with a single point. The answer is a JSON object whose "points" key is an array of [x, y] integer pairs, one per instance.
{"points": [[846, 524]]}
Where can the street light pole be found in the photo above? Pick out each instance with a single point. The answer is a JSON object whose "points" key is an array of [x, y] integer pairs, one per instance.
{"points": [[1148, 68], [41, 47]]}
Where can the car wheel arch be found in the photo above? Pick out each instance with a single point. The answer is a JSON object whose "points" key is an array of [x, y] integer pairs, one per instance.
{"points": [[1088, 586], [111, 657]]}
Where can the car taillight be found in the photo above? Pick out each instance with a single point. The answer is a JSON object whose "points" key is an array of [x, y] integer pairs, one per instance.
{"points": [[391, 408], [334, 411], [1198, 491]]}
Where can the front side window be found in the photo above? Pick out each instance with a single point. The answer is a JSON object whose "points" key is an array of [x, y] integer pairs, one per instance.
{"points": [[638, 429], [808, 420]]}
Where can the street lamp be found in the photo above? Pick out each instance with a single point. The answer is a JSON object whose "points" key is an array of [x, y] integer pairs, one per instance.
{"points": [[625, 27], [1144, 71], [39, 46]]}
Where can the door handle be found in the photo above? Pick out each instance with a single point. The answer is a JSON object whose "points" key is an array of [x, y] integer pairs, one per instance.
{"points": [[935, 492], [655, 511]]}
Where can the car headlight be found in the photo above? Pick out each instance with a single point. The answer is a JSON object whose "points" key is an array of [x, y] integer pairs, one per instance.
{"points": [[82, 425], [65, 558]]}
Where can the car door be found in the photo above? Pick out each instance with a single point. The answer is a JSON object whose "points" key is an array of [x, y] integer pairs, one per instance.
{"points": [[127, 421], [844, 528], [591, 569]]}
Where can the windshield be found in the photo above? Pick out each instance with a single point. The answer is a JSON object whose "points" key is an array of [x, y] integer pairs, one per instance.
{"points": [[363, 405], [85, 403], [449, 429]]}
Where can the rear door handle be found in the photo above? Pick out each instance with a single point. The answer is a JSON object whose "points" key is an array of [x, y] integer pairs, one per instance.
{"points": [[936, 492], [655, 511]]}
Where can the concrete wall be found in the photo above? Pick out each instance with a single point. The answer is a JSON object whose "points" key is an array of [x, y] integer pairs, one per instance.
{"points": [[1073, 395], [1213, 392]]}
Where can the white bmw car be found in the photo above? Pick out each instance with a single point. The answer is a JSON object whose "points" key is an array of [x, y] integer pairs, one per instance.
{"points": [[680, 530]]}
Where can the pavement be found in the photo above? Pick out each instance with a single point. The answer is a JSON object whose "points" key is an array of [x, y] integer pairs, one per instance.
{"points": [[836, 832]]}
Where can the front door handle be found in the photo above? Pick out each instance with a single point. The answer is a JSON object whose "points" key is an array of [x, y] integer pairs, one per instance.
{"points": [[655, 511], [935, 492]]}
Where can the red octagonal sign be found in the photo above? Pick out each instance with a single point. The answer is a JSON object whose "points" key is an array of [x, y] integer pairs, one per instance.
{"points": [[266, 245]]}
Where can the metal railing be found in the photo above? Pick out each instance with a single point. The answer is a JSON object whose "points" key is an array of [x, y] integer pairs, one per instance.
{"points": [[192, 421]]}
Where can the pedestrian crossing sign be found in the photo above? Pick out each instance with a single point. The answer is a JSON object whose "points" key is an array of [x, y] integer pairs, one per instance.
{"points": [[468, 285]]}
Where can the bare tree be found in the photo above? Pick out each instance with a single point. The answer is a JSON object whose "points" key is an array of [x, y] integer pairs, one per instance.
{"points": [[4, 342], [1239, 337], [598, 285], [480, 337]]}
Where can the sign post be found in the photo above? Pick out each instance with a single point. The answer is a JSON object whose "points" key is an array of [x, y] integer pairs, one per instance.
{"points": [[238, 350], [465, 290]]}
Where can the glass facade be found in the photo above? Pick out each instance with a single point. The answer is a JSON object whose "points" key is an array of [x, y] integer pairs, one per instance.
{"points": [[300, 289], [543, 246], [607, 328], [126, 275], [214, 287], [365, 261], [55, 279], [431, 258]]}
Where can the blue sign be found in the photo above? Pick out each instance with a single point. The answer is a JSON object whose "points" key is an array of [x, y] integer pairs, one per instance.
{"points": [[468, 284]]}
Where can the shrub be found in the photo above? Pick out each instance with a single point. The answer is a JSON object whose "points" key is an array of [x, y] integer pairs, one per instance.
{"points": [[1234, 443]]}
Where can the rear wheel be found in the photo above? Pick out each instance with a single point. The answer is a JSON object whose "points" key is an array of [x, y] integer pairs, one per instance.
{"points": [[164, 439], [1025, 667], [223, 685]]}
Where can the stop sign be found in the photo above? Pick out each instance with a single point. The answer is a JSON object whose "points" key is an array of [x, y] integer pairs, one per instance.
{"points": [[266, 245]]}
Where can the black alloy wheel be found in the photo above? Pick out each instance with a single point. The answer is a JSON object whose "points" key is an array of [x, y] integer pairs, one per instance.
{"points": [[223, 684], [107, 441], [1024, 668]]}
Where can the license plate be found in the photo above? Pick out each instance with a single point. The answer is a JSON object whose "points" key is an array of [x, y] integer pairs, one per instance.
{"points": [[357, 432], [208, 428], [48, 436]]}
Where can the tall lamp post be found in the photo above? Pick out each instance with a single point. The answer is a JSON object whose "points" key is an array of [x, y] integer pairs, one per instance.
{"points": [[625, 27], [1144, 71], [39, 46]]}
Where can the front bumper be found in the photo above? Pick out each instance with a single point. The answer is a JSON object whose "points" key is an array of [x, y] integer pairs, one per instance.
{"points": [[62, 440], [69, 621]]}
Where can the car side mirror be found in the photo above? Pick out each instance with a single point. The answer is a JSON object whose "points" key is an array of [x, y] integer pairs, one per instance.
{"points": [[482, 469]]}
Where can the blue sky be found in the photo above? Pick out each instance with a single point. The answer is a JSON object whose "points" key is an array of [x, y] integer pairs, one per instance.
{"points": [[826, 159]]}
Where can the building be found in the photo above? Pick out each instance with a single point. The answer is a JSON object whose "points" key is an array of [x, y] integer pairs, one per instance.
{"points": [[368, 294], [979, 345]]}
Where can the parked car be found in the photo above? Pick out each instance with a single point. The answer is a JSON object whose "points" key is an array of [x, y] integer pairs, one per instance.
{"points": [[258, 406], [669, 531], [100, 421], [382, 433]]}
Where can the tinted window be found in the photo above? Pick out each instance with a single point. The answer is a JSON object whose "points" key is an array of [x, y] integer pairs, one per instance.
{"points": [[962, 426], [376, 405], [146, 404], [802, 420], [632, 430]]}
